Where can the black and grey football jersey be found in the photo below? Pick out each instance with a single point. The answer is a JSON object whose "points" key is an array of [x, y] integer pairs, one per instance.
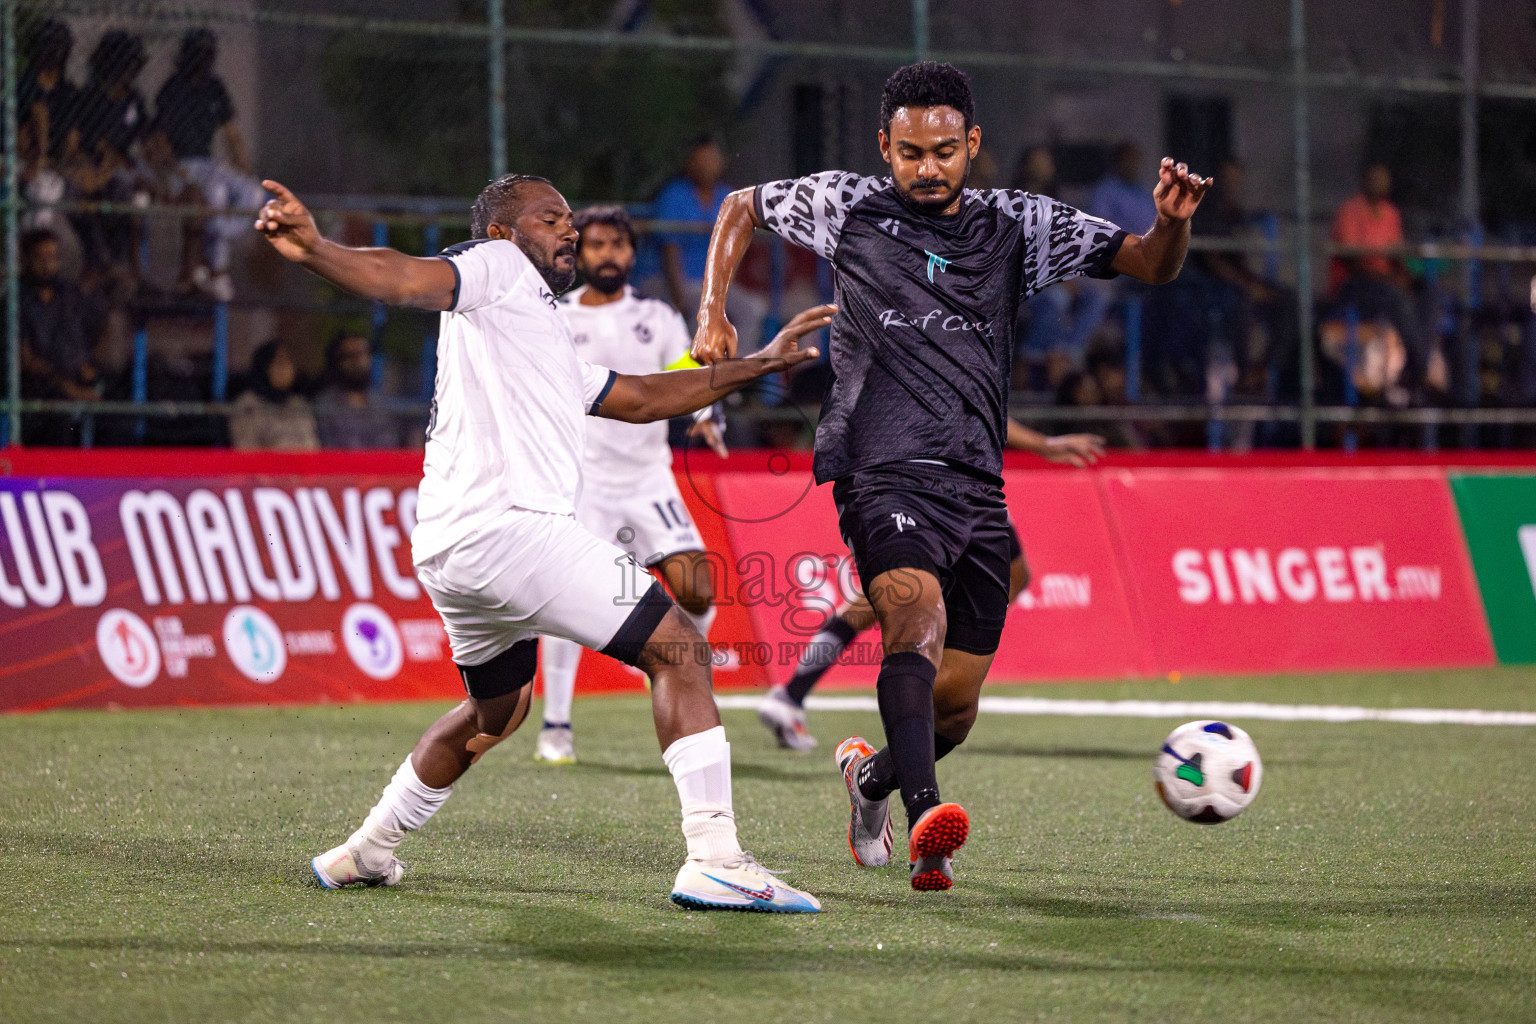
{"points": [[922, 346]]}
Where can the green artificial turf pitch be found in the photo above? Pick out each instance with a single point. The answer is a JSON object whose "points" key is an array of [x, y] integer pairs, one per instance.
{"points": [[154, 866]]}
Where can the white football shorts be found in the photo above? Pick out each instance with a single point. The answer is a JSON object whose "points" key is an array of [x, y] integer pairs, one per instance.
{"points": [[649, 520], [527, 573]]}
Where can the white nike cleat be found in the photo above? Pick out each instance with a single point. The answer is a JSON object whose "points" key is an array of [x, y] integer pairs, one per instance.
{"points": [[740, 883], [786, 720], [869, 821], [557, 745], [360, 861]]}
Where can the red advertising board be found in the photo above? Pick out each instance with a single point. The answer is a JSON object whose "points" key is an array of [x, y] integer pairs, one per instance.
{"points": [[1309, 569], [236, 589], [1075, 619], [144, 578], [792, 569]]}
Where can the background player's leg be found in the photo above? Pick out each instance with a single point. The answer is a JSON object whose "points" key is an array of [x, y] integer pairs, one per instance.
{"points": [[690, 578], [956, 694], [559, 659], [1018, 578], [827, 645], [782, 710]]}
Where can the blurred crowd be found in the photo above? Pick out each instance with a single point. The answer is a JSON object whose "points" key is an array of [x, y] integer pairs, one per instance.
{"points": [[1392, 331]]}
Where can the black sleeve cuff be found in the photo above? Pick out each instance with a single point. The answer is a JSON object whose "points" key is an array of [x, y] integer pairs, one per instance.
{"points": [[597, 403], [1099, 268], [457, 282]]}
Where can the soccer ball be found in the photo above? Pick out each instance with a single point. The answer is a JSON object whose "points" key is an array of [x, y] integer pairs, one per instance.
{"points": [[1207, 771]]}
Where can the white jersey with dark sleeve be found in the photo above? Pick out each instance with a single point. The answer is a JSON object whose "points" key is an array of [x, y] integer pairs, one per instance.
{"points": [[508, 411], [922, 347]]}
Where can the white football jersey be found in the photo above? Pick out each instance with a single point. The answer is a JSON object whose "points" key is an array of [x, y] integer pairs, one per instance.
{"points": [[632, 335], [510, 404]]}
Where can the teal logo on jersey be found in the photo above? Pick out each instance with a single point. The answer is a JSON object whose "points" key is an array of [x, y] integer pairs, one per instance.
{"points": [[935, 260]]}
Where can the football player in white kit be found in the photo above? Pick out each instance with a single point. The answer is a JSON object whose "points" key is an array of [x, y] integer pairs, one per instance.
{"points": [[497, 546], [628, 494]]}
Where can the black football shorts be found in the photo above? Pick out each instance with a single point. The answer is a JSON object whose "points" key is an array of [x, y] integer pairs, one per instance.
{"points": [[943, 521]]}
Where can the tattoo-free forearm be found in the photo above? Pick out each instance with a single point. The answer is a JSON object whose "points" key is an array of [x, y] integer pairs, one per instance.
{"points": [[1163, 249], [727, 247], [661, 396], [383, 275], [1025, 438]]}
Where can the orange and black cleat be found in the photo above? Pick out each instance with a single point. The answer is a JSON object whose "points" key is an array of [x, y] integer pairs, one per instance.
{"points": [[934, 838]]}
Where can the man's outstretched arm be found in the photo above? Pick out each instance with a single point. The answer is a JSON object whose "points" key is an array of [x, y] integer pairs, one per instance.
{"points": [[383, 275], [659, 396], [716, 338], [1156, 256], [1072, 449]]}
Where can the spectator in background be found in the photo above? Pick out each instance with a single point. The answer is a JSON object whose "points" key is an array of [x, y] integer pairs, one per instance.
{"points": [[1081, 389], [1256, 300], [193, 111], [1120, 196], [1060, 319], [60, 330], [1376, 283], [112, 116], [347, 413], [47, 104], [696, 196], [271, 414], [1036, 171]]}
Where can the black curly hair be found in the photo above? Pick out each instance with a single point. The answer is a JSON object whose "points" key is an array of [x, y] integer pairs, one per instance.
{"points": [[615, 217], [499, 201], [929, 83]]}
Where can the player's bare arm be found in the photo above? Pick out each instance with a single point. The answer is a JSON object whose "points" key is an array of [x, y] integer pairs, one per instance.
{"points": [[1071, 449], [658, 396], [716, 338], [1156, 256], [383, 275]]}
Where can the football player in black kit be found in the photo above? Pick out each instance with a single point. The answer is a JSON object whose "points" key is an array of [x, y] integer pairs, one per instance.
{"points": [[929, 277]]}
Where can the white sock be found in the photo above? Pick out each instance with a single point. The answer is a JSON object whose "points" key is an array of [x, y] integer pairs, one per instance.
{"points": [[558, 659], [701, 767], [406, 805], [700, 622]]}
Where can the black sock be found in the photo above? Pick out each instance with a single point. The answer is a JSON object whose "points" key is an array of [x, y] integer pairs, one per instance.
{"points": [[905, 692], [877, 775], [819, 655]]}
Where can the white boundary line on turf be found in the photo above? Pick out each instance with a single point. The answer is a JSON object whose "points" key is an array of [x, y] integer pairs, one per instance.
{"points": [[1188, 709]]}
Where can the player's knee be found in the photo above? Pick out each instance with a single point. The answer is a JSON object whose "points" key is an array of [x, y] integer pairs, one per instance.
{"points": [[495, 720], [916, 629], [695, 602], [676, 650]]}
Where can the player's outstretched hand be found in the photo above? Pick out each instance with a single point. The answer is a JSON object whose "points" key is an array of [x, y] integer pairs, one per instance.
{"points": [[786, 344], [1178, 192], [708, 431], [286, 223], [1074, 449]]}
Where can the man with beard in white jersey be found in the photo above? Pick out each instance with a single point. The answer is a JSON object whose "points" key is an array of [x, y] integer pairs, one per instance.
{"points": [[628, 494], [496, 544]]}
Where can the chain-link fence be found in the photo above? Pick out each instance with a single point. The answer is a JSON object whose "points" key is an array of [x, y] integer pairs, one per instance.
{"points": [[141, 308]]}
